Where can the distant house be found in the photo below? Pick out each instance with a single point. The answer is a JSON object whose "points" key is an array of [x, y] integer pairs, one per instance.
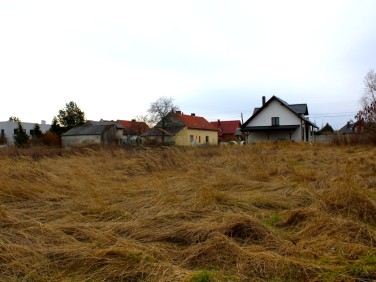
{"points": [[183, 130], [9, 128], [278, 120], [349, 128], [90, 134], [228, 130], [133, 130], [119, 128]]}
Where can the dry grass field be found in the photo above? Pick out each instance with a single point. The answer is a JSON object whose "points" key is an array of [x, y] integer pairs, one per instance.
{"points": [[267, 212]]}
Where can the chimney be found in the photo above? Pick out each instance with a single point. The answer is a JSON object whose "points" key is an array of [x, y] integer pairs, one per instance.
{"points": [[219, 121], [178, 112], [193, 114], [263, 100], [133, 120]]}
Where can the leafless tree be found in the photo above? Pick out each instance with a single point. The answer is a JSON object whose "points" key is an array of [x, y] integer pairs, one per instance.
{"points": [[369, 95], [366, 117], [145, 119], [159, 111]]}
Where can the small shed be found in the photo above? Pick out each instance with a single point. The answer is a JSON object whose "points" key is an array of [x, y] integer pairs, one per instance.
{"points": [[99, 134]]}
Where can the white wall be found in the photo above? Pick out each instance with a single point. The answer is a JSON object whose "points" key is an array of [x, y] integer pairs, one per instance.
{"points": [[77, 140], [264, 118], [10, 126], [275, 109]]}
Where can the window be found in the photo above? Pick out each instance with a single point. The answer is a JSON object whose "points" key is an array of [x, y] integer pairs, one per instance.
{"points": [[199, 139], [275, 121], [2, 132], [191, 138], [207, 139], [15, 131]]}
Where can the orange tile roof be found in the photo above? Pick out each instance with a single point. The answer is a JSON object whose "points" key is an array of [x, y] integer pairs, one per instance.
{"points": [[194, 122], [134, 127], [226, 126]]}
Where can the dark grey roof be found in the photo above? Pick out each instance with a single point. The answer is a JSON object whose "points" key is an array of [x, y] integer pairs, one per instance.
{"points": [[301, 109], [347, 129], [255, 110], [105, 122], [88, 130]]}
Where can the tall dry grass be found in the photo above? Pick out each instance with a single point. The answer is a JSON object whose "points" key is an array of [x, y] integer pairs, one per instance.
{"points": [[280, 212]]}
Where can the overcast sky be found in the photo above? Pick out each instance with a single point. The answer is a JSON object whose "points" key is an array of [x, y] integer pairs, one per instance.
{"points": [[215, 58]]}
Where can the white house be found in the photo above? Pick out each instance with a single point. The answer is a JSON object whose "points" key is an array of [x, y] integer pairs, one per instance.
{"points": [[278, 120], [9, 128]]}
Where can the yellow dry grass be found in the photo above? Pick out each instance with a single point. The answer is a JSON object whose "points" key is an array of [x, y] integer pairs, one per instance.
{"points": [[266, 212]]}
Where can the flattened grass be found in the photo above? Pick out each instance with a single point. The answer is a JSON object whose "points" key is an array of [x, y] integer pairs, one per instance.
{"points": [[277, 212]]}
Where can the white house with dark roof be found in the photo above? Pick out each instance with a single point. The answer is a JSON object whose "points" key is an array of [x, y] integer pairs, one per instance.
{"points": [[277, 120], [9, 128]]}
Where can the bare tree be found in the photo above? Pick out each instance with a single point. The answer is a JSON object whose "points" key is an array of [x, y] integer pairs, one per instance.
{"points": [[159, 111], [369, 95], [145, 119], [15, 119], [366, 117]]}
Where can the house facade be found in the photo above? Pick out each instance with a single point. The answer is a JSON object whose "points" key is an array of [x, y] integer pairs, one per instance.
{"points": [[277, 120], [97, 134], [9, 128], [183, 130]]}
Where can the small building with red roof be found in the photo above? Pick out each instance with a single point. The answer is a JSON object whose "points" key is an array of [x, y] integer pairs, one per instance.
{"points": [[183, 130], [132, 130], [228, 130]]}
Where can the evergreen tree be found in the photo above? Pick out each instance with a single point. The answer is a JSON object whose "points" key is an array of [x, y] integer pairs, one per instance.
{"points": [[20, 137], [36, 132], [55, 126]]}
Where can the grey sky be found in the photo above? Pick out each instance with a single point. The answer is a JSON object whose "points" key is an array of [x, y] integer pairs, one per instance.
{"points": [[215, 58]]}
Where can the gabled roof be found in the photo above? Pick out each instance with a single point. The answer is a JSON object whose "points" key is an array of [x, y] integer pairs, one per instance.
{"points": [[298, 109], [105, 122], [348, 128], [226, 126], [134, 127], [301, 109], [193, 122], [88, 129]]}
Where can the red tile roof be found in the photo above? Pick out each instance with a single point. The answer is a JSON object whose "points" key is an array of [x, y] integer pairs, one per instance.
{"points": [[134, 127], [194, 122], [226, 126]]}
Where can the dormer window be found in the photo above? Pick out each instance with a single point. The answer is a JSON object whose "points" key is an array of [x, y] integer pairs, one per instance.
{"points": [[275, 121]]}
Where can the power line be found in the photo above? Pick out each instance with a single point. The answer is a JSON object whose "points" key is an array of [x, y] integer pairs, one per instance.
{"points": [[342, 114]]}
